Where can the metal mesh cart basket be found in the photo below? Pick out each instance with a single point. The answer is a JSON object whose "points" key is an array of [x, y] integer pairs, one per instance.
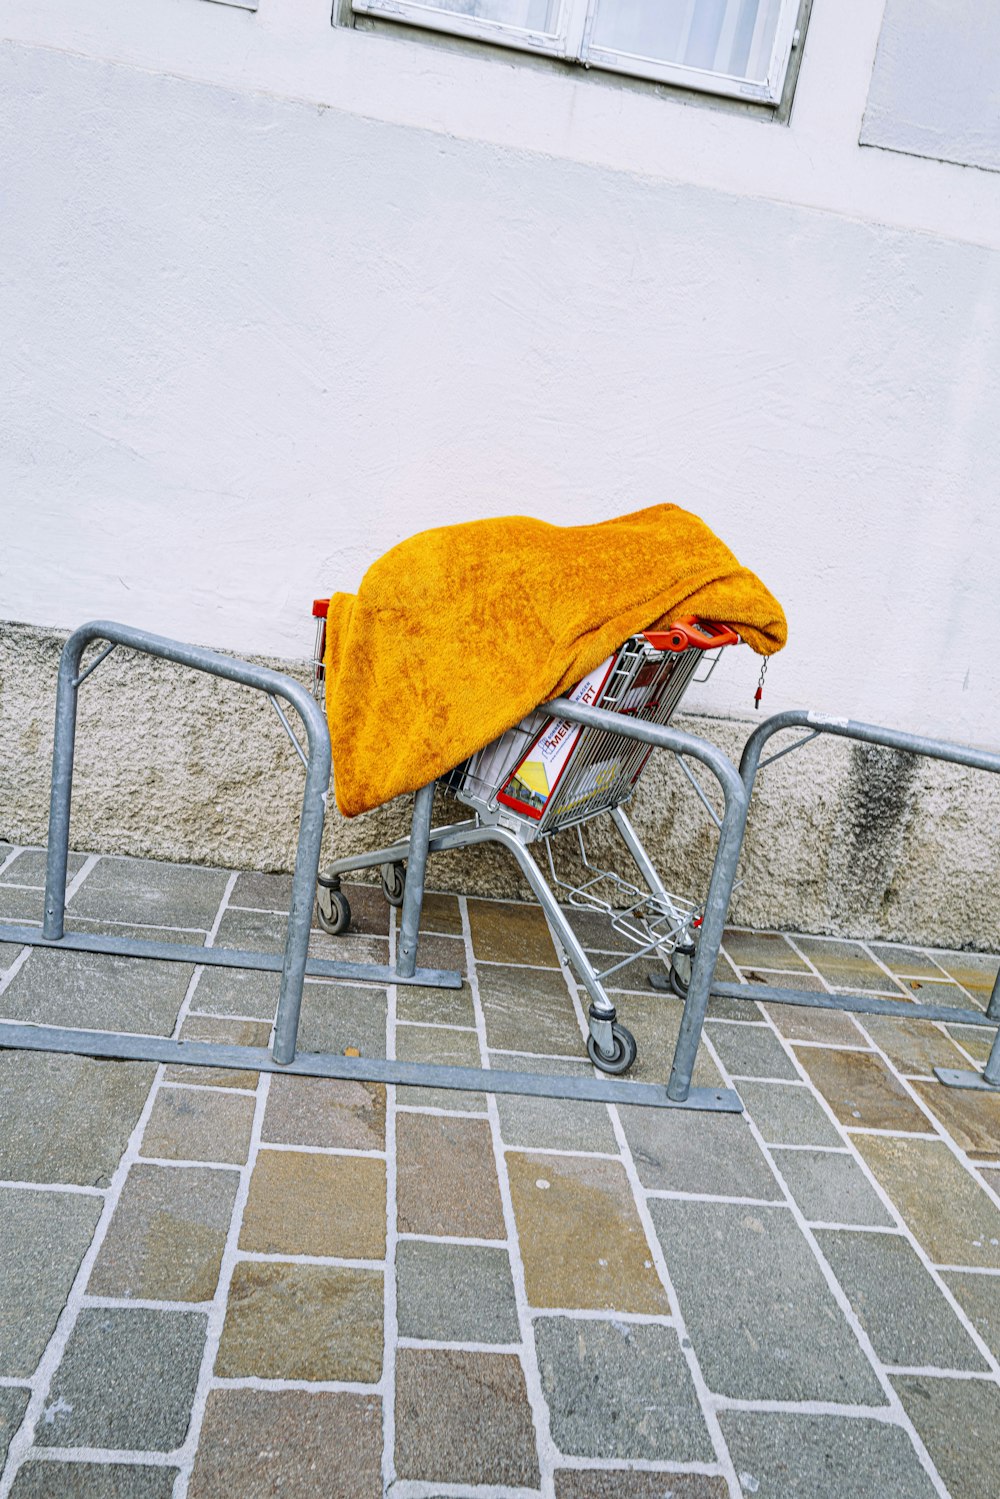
{"points": [[548, 776]]}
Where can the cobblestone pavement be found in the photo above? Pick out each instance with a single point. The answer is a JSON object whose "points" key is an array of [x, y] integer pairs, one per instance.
{"points": [[225, 1284]]}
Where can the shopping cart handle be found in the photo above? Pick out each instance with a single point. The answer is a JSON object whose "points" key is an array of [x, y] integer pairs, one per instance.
{"points": [[702, 634]]}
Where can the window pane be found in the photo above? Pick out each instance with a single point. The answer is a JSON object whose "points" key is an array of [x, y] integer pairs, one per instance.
{"points": [[734, 37], [529, 15]]}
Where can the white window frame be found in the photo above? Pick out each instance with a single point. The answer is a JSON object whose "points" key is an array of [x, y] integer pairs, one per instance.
{"points": [[571, 41]]}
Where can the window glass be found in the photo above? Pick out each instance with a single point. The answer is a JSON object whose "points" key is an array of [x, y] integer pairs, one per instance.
{"points": [[527, 15], [734, 37]]}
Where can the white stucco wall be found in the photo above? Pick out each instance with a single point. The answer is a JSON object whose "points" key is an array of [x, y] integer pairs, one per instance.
{"points": [[275, 294]]}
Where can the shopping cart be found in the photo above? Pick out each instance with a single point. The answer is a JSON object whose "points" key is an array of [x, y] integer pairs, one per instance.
{"points": [[548, 776]]}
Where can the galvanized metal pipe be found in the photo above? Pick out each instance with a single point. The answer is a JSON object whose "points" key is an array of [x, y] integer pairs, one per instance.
{"points": [[913, 744], [720, 888], [993, 1008], [413, 890], [867, 733], [313, 801]]}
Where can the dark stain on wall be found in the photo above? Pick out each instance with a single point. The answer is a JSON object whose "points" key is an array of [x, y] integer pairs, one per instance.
{"points": [[874, 814]]}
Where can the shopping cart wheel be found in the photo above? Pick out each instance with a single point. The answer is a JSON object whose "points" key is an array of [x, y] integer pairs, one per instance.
{"points": [[681, 963], [333, 911], [622, 1056], [393, 883]]}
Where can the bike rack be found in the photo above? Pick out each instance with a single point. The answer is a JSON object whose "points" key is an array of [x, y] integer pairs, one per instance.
{"points": [[916, 744], [295, 963]]}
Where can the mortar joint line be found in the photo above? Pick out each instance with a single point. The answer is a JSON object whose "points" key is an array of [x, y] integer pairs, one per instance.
{"points": [[657, 1256], [864, 1341]]}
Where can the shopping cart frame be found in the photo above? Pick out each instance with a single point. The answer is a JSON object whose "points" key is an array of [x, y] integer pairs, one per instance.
{"points": [[295, 963], [471, 832]]}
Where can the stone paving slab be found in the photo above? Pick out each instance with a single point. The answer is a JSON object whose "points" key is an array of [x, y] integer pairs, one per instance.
{"points": [[435, 1006], [389, 1285], [79, 1480], [151, 893], [706, 1153], [525, 1010], [244, 992], [958, 1421], [787, 1115], [97, 992], [620, 1389], [846, 965], [28, 868], [330, 1206], [338, 1018], [750, 1050], [166, 1238], [463, 1418], [256, 1444], [799, 1023], [771, 1331], [67, 1119], [21, 905], [947, 1212], [552, 1123], [914, 1046], [861, 1090], [51, 1228], [506, 933], [195, 1124], [582, 1240], [897, 1303], [302, 1322], [831, 1188], [126, 1380], [446, 1181], [455, 1293], [330, 1112], [979, 1298], [220, 1031], [822, 1457], [13, 1403], [972, 1119]]}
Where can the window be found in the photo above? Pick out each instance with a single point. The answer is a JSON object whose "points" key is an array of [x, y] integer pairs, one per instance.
{"points": [[740, 48]]}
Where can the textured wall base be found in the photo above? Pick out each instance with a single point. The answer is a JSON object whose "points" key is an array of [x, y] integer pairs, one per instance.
{"points": [[843, 839]]}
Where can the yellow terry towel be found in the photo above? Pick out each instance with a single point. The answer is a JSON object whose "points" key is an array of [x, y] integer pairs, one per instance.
{"points": [[456, 634]]}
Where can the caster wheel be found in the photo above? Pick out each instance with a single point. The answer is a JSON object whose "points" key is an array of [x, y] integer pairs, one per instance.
{"points": [[681, 964], [333, 911], [677, 984], [393, 883], [623, 1055]]}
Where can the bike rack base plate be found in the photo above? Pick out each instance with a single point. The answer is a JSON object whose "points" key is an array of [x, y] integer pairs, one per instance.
{"points": [[958, 1077], [123, 1047], [227, 957]]}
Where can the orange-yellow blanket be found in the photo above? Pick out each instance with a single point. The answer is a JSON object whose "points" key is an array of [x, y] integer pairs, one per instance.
{"points": [[459, 632]]}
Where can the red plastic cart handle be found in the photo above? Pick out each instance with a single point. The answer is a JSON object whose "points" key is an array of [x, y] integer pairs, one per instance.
{"points": [[321, 608], [702, 634]]}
